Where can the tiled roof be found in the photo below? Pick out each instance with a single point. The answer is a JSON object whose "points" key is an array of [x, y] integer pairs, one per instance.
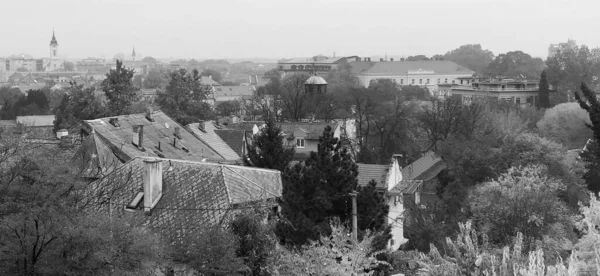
{"points": [[406, 67], [194, 194], [368, 172], [424, 168], [233, 138], [223, 91], [36, 121], [210, 137], [94, 158], [246, 126], [406, 187], [157, 134], [312, 130], [8, 123]]}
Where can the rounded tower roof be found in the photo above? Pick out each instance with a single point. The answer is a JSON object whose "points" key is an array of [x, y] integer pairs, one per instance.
{"points": [[315, 80]]}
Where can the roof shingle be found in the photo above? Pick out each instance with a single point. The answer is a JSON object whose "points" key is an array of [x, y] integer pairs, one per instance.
{"points": [[368, 172]]}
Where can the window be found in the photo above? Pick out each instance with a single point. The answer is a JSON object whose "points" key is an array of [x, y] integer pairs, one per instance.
{"points": [[401, 81], [427, 81], [300, 142], [420, 81], [461, 81], [438, 80], [445, 80], [452, 81], [394, 80], [413, 81], [135, 202], [518, 101]]}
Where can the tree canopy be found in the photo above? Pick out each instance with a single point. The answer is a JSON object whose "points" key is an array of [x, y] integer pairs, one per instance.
{"points": [[184, 98], [514, 64], [119, 89], [472, 56]]}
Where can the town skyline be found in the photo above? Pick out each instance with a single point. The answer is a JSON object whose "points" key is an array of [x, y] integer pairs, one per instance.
{"points": [[246, 30]]}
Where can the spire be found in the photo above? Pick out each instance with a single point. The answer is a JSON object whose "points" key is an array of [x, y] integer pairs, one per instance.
{"points": [[133, 53], [53, 41]]}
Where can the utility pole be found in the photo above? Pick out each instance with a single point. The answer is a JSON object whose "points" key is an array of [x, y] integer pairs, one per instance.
{"points": [[354, 218]]}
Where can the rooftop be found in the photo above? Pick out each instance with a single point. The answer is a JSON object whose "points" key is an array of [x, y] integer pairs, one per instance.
{"points": [[368, 172], [424, 168], [159, 138], [235, 139], [36, 120], [194, 194], [223, 91], [316, 60], [207, 133], [312, 130], [408, 67]]}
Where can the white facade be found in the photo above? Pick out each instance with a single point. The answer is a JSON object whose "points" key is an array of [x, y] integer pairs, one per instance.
{"points": [[426, 79]]}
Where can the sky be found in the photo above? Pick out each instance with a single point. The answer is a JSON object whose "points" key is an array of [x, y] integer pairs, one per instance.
{"points": [[277, 29]]}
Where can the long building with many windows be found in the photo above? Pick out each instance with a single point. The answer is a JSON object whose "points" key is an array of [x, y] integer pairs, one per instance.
{"points": [[518, 91]]}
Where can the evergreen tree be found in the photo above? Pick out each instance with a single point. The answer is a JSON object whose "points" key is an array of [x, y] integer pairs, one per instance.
{"points": [[592, 155], [119, 89], [316, 190], [267, 149], [372, 215], [544, 92], [184, 99]]}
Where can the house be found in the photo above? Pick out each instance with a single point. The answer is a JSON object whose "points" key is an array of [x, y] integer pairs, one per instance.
{"points": [[416, 183], [178, 198], [207, 132], [38, 126], [520, 92], [152, 134], [426, 73]]}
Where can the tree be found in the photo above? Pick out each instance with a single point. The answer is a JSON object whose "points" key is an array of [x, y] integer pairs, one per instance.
{"points": [[119, 89], [417, 58], [566, 123], [216, 76], [229, 108], [257, 241], [268, 150], [571, 66], [184, 99], [471, 56], [316, 190], [35, 103], [590, 103], [523, 200], [373, 215], [544, 92], [415, 92], [515, 64], [294, 98], [150, 60], [79, 104], [155, 79]]}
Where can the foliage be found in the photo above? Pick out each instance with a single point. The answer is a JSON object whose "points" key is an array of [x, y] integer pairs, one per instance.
{"points": [[515, 64], [216, 76], [334, 254], [149, 60], [372, 215], [471, 56], [523, 200], [294, 98], [591, 156], [184, 98], [155, 79], [588, 248], [229, 108], [569, 67], [566, 123], [35, 103], [79, 104], [544, 91], [120, 90], [316, 190], [257, 241], [417, 58], [268, 150], [415, 92]]}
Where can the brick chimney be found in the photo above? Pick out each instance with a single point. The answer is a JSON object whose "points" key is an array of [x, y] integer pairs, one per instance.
{"points": [[138, 136], [153, 180], [149, 115]]}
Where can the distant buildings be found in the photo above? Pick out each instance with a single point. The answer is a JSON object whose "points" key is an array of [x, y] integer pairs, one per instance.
{"points": [[427, 73], [26, 63], [553, 48], [320, 64], [518, 91]]}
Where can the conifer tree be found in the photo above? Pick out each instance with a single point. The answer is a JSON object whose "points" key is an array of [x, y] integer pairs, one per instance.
{"points": [[544, 92], [592, 154], [267, 149], [119, 89]]}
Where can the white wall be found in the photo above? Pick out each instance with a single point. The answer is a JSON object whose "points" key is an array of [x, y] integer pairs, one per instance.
{"points": [[407, 79]]}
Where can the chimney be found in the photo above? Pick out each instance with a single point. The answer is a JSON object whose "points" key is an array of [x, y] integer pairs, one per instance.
{"points": [[153, 179], [178, 132], [201, 126], [149, 114], [138, 136], [250, 79], [114, 122]]}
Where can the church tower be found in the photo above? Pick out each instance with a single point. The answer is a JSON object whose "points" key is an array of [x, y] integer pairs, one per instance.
{"points": [[133, 55], [53, 47]]}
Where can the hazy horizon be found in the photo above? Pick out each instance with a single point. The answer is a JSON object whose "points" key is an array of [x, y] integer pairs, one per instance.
{"points": [[267, 29]]}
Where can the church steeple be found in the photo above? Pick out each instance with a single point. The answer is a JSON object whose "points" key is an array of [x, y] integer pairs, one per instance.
{"points": [[53, 46], [53, 41]]}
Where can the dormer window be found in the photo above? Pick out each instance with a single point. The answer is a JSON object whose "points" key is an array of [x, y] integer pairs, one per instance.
{"points": [[300, 142]]}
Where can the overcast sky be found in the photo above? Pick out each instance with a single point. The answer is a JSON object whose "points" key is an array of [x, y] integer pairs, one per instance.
{"points": [[285, 29]]}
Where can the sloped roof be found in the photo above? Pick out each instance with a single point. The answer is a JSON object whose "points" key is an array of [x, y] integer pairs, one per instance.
{"points": [[312, 130], [233, 138], [94, 158], [406, 187], [406, 67], [161, 133], [210, 137], [36, 121], [424, 168], [194, 194], [245, 126], [368, 172], [222, 91], [311, 60]]}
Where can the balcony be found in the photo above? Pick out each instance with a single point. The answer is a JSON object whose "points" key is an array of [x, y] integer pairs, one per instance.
{"points": [[490, 89]]}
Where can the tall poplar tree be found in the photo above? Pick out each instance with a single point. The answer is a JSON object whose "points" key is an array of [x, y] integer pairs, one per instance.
{"points": [[592, 154], [544, 92]]}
